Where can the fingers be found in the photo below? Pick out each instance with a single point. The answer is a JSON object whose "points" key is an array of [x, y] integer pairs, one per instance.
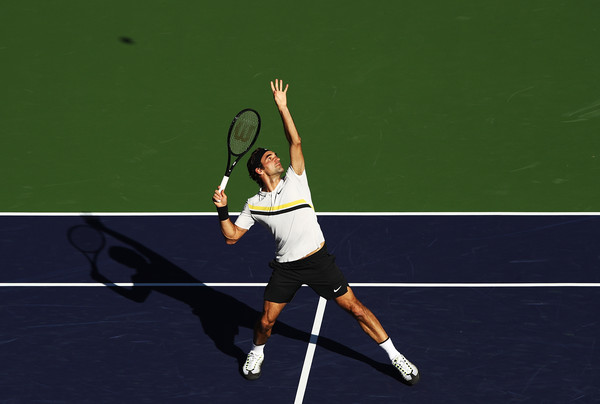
{"points": [[278, 86], [219, 197]]}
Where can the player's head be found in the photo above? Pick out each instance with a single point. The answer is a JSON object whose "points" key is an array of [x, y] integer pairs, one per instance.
{"points": [[254, 162]]}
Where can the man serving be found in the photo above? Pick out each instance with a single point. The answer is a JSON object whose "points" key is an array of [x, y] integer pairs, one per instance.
{"points": [[284, 206]]}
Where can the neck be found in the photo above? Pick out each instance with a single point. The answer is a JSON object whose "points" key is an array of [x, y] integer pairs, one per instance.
{"points": [[270, 183]]}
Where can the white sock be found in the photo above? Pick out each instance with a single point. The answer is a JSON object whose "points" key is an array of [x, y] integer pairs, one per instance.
{"points": [[257, 349], [388, 346]]}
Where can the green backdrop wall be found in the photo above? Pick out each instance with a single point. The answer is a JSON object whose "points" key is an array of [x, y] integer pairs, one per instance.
{"points": [[462, 105]]}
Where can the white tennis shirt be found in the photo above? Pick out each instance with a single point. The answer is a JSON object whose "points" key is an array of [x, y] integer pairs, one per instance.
{"points": [[289, 215]]}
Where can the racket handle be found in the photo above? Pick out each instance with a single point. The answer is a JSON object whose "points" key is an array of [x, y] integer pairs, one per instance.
{"points": [[223, 183]]}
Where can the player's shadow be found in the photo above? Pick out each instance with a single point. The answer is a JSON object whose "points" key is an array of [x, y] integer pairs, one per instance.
{"points": [[220, 314]]}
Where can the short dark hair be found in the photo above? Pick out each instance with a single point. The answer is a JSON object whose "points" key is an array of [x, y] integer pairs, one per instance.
{"points": [[254, 163]]}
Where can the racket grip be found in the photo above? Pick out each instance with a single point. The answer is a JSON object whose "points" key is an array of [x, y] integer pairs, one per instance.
{"points": [[223, 183]]}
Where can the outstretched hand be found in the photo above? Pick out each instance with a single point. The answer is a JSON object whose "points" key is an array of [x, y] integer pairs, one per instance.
{"points": [[279, 93]]}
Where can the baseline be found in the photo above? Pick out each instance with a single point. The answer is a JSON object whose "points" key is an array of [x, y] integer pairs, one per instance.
{"points": [[354, 285]]}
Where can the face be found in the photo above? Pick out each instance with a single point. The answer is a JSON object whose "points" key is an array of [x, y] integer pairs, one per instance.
{"points": [[271, 163]]}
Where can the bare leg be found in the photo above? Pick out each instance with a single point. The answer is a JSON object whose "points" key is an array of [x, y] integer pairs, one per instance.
{"points": [[264, 326], [262, 331], [367, 320]]}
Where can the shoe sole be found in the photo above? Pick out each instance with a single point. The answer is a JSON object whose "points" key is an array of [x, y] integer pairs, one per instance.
{"points": [[252, 376], [414, 380]]}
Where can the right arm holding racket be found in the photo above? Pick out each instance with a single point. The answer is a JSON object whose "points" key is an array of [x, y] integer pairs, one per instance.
{"points": [[243, 132], [237, 148], [231, 232]]}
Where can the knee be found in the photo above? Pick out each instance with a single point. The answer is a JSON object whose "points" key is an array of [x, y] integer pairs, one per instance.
{"points": [[266, 324]]}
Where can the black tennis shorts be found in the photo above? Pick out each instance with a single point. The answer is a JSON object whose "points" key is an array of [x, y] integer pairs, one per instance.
{"points": [[318, 271]]}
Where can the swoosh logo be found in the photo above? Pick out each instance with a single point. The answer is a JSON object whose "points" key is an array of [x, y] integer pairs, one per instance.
{"points": [[335, 290]]}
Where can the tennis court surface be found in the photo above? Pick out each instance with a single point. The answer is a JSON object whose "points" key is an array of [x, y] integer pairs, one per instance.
{"points": [[499, 308]]}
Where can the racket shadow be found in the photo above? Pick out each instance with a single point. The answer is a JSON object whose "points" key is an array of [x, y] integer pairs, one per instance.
{"points": [[220, 314]]}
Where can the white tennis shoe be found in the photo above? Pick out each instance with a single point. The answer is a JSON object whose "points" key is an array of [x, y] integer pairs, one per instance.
{"points": [[252, 366], [408, 371]]}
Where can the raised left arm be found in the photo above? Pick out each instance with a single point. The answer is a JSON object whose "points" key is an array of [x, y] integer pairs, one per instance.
{"points": [[291, 133]]}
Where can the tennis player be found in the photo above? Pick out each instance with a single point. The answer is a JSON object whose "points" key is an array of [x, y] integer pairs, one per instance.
{"points": [[284, 206]]}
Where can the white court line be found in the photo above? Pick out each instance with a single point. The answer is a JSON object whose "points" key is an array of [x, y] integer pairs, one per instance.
{"points": [[354, 285], [310, 351], [478, 285], [67, 214], [124, 284], [322, 302]]}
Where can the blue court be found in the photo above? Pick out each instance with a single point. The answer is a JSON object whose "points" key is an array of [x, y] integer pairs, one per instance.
{"points": [[491, 308]]}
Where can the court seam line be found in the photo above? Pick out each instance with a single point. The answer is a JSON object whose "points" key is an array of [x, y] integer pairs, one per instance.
{"points": [[310, 351], [169, 214], [352, 284]]}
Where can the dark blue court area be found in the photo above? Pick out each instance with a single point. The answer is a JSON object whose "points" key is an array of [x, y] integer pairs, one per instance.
{"points": [[70, 335]]}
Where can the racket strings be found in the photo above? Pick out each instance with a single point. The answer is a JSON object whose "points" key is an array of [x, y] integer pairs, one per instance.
{"points": [[86, 239], [243, 132]]}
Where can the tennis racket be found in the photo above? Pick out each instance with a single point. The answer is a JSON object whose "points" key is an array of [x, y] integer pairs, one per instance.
{"points": [[243, 132], [88, 241]]}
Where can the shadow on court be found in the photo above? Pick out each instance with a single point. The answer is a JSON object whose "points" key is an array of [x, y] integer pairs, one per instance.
{"points": [[220, 314]]}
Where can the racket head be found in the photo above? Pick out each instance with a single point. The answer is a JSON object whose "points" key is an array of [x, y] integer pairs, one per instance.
{"points": [[243, 132], [86, 239]]}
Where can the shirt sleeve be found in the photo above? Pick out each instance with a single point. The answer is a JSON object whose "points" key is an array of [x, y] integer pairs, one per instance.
{"points": [[300, 178], [245, 219]]}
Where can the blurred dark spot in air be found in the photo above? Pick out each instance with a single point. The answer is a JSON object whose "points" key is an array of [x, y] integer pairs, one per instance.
{"points": [[126, 40]]}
